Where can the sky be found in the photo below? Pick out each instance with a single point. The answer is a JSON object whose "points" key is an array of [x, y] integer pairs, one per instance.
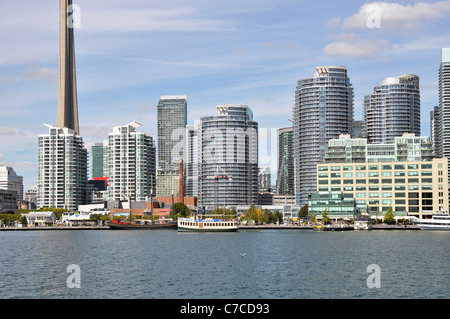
{"points": [[129, 53]]}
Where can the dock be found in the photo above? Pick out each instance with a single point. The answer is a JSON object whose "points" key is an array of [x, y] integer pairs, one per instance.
{"points": [[45, 228]]}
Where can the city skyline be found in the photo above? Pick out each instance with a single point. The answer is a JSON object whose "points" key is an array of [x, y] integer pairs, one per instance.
{"points": [[129, 55]]}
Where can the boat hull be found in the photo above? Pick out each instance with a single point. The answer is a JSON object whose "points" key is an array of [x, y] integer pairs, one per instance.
{"points": [[434, 227], [133, 227], [207, 230]]}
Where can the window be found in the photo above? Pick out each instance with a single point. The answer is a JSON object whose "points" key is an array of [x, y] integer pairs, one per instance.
{"points": [[348, 175], [413, 173], [413, 180], [386, 181], [413, 166], [360, 195], [386, 166], [360, 167], [373, 167], [427, 180], [386, 174], [374, 174], [427, 166], [398, 166], [335, 175], [323, 168]]}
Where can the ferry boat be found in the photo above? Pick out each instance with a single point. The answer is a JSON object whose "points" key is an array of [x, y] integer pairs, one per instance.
{"points": [[208, 223], [439, 221], [142, 224]]}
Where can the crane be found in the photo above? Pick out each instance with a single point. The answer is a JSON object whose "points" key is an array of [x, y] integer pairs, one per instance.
{"points": [[219, 174]]}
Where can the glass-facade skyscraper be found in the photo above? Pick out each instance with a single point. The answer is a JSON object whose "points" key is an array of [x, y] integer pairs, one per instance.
{"points": [[285, 175], [392, 109], [172, 121], [228, 158], [323, 110]]}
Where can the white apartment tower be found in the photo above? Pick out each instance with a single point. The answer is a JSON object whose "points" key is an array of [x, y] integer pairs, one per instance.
{"points": [[62, 169], [131, 163]]}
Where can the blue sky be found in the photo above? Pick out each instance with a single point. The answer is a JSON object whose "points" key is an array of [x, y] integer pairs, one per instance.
{"points": [[250, 52]]}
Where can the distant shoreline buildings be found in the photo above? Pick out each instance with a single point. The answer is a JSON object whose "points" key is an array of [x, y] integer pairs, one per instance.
{"points": [[214, 163]]}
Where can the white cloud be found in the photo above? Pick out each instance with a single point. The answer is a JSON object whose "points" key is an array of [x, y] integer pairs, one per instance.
{"points": [[398, 16], [352, 45]]}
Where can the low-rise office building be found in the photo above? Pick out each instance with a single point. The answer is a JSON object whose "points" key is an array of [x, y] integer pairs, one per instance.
{"points": [[410, 188]]}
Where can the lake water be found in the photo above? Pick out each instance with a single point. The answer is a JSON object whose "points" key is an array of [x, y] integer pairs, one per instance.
{"points": [[266, 264]]}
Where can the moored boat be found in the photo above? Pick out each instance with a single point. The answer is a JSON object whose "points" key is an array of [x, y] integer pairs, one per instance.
{"points": [[208, 223], [439, 221], [362, 222], [117, 225]]}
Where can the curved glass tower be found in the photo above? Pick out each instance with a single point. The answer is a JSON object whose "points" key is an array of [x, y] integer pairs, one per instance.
{"points": [[392, 109], [323, 110], [228, 158]]}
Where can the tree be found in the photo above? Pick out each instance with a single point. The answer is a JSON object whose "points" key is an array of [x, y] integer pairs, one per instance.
{"points": [[325, 217], [303, 212], [278, 217], [181, 210], [389, 216]]}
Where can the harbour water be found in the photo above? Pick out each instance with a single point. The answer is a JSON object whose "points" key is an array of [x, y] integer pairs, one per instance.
{"points": [[251, 264]]}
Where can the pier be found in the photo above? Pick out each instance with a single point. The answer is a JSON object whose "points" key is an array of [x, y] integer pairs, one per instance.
{"points": [[54, 228]]}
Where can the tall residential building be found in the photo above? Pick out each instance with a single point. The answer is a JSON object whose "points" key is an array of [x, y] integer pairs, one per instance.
{"points": [[323, 110], [131, 168], [172, 120], [191, 163], [435, 130], [228, 158], [67, 85], [285, 173], [9, 180], [264, 179], [98, 159], [62, 169], [392, 109], [444, 103]]}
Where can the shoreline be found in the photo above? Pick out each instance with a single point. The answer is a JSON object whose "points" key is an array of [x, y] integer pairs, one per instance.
{"points": [[250, 227]]}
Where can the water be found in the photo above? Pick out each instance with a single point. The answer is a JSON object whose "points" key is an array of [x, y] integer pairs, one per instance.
{"points": [[273, 264]]}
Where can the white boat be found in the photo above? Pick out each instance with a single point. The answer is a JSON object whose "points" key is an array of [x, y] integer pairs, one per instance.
{"points": [[208, 223], [362, 222], [440, 221]]}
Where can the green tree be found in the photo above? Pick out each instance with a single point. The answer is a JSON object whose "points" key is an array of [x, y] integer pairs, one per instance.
{"points": [[389, 216], [303, 212], [278, 217], [325, 217], [181, 210]]}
